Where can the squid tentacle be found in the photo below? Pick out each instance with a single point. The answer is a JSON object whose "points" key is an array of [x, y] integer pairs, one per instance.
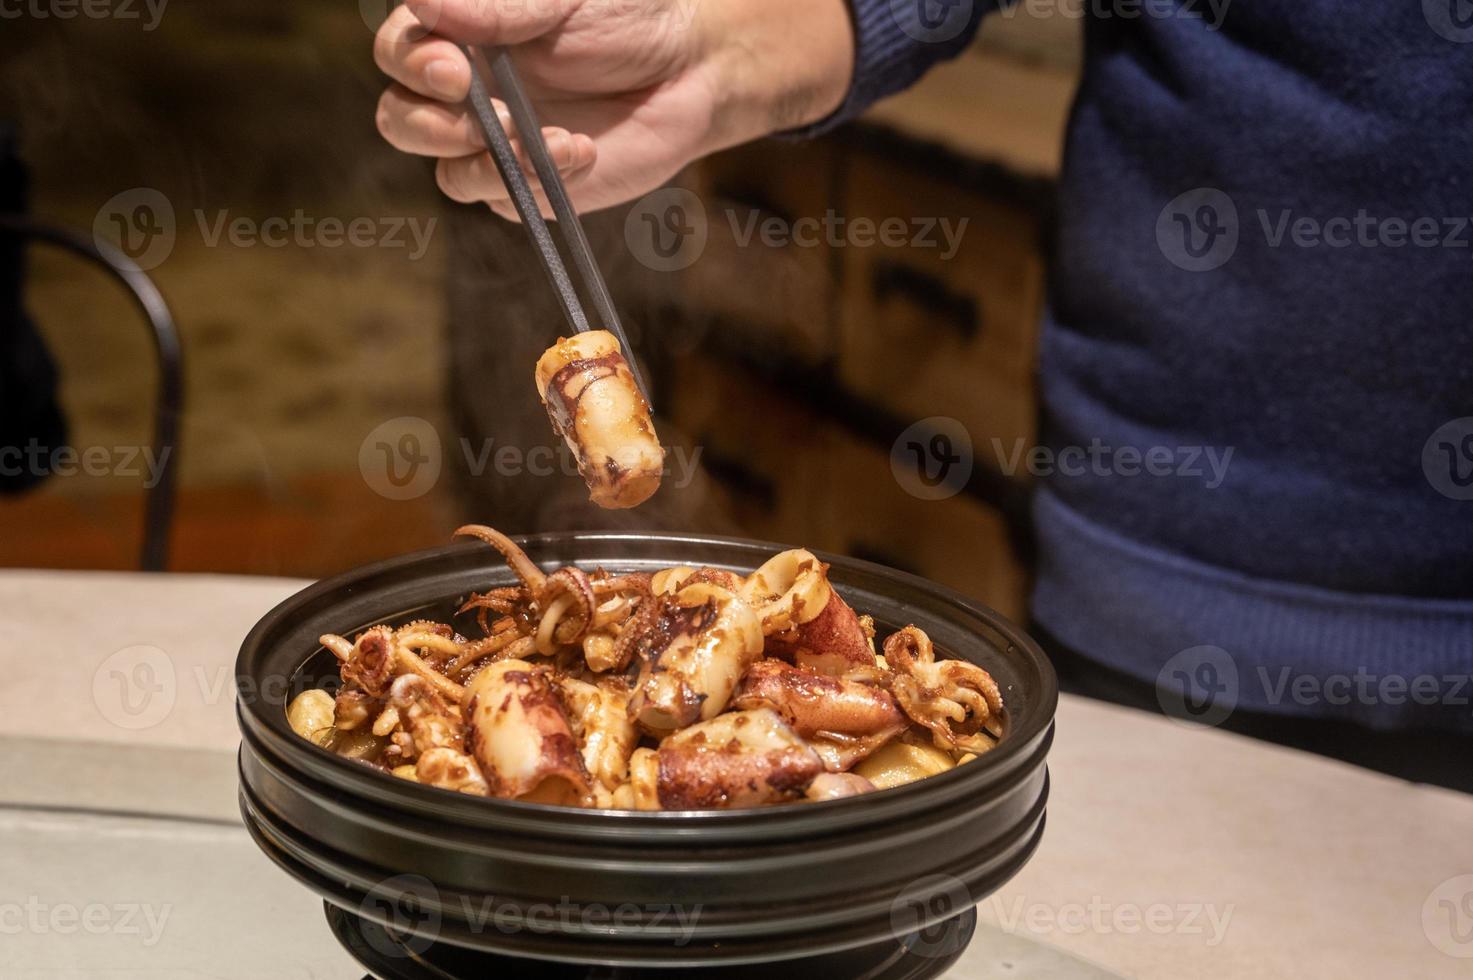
{"points": [[532, 576], [957, 701]]}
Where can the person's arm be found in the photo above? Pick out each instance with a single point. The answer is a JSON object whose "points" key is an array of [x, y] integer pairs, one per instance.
{"points": [[634, 90], [898, 41]]}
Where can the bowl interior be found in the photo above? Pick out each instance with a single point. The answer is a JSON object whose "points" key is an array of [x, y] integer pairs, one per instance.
{"points": [[283, 653]]}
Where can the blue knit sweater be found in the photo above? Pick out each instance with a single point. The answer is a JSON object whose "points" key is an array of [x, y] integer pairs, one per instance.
{"points": [[1257, 366]]}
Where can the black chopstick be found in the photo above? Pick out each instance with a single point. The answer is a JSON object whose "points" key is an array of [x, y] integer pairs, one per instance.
{"points": [[505, 157], [570, 228]]}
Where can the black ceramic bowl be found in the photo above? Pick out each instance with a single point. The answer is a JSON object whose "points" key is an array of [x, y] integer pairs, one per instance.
{"points": [[631, 888]]}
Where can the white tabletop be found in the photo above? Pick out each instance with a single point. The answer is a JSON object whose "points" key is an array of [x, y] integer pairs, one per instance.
{"points": [[1170, 851]]}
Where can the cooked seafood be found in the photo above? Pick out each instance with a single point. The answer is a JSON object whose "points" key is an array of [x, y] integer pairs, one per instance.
{"points": [[689, 688], [844, 719], [600, 719], [804, 619], [702, 641], [521, 737], [958, 701], [591, 397], [837, 785], [742, 758]]}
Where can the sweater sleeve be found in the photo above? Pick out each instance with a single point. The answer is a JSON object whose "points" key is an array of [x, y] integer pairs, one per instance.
{"points": [[896, 42]]}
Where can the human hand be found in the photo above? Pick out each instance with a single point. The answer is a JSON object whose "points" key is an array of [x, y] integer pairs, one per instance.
{"points": [[630, 91]]}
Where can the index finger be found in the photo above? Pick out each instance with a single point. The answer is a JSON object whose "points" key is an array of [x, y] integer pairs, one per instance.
{"points": [[424, 63]]}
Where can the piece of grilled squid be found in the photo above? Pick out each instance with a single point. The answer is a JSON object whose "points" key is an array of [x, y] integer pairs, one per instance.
{"points": [[599, 717], [836, 786], [642, 791], [842, 719], [671, 580], [703, 640], [740, 758], [804, 619], [447, 768], [429, 720], [591, 397], [520, 736]]}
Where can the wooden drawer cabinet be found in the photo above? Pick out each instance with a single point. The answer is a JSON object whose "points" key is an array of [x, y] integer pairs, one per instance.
{"points": [[922, 334], [826, 350], [791, 476], [780, 286], [959, 541], [764, 451]]}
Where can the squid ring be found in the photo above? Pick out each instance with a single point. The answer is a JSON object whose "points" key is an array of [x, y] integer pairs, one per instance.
{"points": [[788, 590], [569, 605]]}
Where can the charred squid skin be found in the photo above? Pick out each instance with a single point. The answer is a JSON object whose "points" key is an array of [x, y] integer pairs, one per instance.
{"points": [[744, 758], [843, 719], [612, 482], [663, 702], [703, 640], [599, 713], [520, 736], [631, 634], [451, 769], [814, 703], [804, 619], [834, 642], [672, 580], [720, 779], [789, 589], [593, 402]]}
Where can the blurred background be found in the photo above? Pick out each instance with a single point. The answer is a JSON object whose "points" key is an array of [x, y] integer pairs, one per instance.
{"points": [[358, 350]]}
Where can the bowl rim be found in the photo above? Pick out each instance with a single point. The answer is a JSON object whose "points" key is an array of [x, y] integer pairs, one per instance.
{"points": [[264, 717]]}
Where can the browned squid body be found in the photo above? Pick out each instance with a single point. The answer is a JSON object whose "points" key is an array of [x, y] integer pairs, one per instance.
{"points": [[804, 619], [521, 737], [703, 639], [843, 719], [743, 758], [590, 395], [688, 688]]}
